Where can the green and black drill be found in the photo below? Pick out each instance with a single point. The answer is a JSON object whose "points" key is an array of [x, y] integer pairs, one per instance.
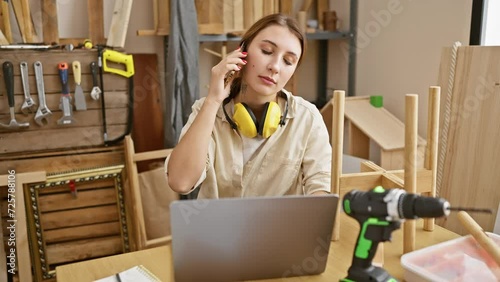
{"points": [[379, 212]]}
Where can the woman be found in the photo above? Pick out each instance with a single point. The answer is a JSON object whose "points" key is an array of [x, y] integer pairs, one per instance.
{"points": [[249, 136]]}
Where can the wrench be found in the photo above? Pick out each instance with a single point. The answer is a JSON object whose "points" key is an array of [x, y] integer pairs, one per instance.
{"points": [[43, 113], [29, 105], [96, 91], [65, 102], [8, 72]]}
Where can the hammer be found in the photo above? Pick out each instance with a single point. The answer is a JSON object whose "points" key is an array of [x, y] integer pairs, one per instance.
{"points": [[8, 74]]}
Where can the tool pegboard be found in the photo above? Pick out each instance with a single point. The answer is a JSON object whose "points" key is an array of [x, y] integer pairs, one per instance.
{"points": [[58, 131]]}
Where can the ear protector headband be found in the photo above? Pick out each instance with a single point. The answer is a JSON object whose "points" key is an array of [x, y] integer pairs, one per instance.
{"points": [[246, 123]]}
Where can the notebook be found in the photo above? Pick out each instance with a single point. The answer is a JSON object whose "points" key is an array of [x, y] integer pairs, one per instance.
{"points": [[251, 238], [138, 273]]}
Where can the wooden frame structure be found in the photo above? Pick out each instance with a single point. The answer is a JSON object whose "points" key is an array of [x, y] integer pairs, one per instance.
{"points": [[135, 201], [22, 241], [65, 235], [367, 123], [411, 179]]}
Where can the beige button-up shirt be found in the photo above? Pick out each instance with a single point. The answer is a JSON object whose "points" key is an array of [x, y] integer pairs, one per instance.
{"points": [[295, 160]]}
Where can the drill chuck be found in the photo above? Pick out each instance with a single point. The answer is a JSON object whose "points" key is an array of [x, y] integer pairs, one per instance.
{"points": [[393, 205], [414, 206]]}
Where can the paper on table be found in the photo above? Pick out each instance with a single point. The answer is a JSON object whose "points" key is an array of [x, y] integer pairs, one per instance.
{"points": [[137, 273]]}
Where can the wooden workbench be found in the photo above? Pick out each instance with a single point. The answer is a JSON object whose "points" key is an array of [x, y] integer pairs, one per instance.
{"points": [[158, 260]]}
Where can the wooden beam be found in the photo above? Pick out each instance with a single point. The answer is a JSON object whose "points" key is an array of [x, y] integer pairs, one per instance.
{"points": [[163, 16], [370, 166], [119, 23], [410, 180], [360, 181], [431, 154], [337, 147], [49, 20], [96, 21]]}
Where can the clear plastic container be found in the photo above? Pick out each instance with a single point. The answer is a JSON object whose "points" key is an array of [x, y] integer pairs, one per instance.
{"points": [[461, 259]]}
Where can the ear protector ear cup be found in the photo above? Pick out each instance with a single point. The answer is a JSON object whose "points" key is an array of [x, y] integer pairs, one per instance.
{"points": [[245, 122], [270, 120]]}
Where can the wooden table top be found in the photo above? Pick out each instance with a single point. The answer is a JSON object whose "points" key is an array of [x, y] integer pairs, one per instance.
{"points": [[158, 260]]}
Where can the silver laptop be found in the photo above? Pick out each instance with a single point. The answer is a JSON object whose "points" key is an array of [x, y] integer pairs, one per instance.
{"points": [[251, 238]]}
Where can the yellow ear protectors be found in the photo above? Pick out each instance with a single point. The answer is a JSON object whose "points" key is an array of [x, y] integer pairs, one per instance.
{"points": [[247, 124]]}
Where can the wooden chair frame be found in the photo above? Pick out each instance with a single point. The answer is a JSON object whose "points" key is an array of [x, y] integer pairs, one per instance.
{"points": [[137, 213], [411, 179]]}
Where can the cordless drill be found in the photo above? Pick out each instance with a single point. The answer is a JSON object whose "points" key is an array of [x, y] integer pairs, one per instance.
{"points": [[379, 212]]}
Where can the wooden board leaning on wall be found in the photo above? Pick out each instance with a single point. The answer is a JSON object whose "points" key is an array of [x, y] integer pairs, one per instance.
{"points": [[87, 131]]}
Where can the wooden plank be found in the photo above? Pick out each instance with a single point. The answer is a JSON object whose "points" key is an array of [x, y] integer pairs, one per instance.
{"points": [[163, 16], [148, 113], [258, 9], [286, 7], [158, 154], [203, 11], [377, 123], [238, 13], [215, 28], [29, 28], [81, 232], [63, 201], [2, 26], [17, 6], [49, 22], [80, 137], [248, 18], [368, 166], [359, 143], [306, 4], [390, 181], [63, 161], [83, 249], [3, 39], [6, 20], [227, 15], [327, 114], [268, 7], [360, 181], [470, 165], [119, 23], [92, 215], [96, 21]]}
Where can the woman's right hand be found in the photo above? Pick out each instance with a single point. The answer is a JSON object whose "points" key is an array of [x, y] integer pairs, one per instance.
{"points": [[233, 63]]}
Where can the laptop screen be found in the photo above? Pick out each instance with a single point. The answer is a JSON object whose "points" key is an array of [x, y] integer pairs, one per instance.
{"points": [[237, 239]]}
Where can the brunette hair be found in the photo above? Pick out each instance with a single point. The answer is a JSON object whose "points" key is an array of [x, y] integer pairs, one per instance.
{"points": [[269, 20]]}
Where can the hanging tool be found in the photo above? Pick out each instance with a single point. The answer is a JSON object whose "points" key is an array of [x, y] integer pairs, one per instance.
{"points": [[80, 103], [8, 74], [43, 113], [96, 91], [127, 60], [65, 101], [29, 104], [379, 212]]}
